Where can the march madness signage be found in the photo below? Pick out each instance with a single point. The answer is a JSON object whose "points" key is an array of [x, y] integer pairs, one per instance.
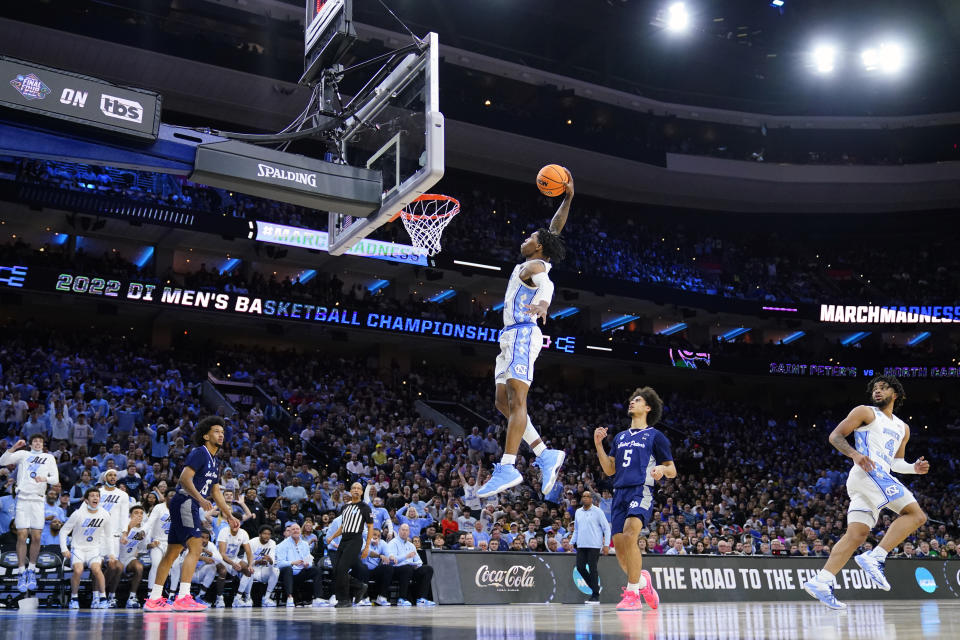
{"points": [[499, 578]]}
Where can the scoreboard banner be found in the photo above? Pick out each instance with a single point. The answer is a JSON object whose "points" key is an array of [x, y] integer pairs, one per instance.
{"points": [[464, 577], [149, 291], [79, 100]]}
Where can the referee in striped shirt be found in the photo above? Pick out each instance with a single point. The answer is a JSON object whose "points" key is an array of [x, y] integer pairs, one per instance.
{"points": [[353, 547]]}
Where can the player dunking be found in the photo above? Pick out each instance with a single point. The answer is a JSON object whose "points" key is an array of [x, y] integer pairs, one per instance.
{"points": [[881, 440], [529, 292], [199, 479], [641, 456]]}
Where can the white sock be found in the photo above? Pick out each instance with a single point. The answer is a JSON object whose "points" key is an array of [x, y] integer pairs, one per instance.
{"points": [[634, 587], [32, 567], [530, 436], [184, 590], [156, 591], [111, 596], [508, 459], [825, 576], [879, 552]]}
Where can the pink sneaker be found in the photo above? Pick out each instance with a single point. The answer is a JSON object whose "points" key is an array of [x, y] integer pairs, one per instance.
{"points": [[187, 603], [648, 592], [631, 601], [157, 604]]}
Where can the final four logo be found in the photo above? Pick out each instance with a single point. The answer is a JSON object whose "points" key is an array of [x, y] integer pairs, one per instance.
{"points": [[30, 87]]}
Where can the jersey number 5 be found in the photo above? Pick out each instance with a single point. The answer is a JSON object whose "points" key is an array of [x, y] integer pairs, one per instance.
{"points": [[626, 457]]}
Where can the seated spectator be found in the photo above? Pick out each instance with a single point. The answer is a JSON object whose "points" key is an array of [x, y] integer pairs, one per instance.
{"points": [[265, 568], [408, 570], [296, 567]]}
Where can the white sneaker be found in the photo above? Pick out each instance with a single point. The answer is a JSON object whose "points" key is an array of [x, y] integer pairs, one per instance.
{"points": [[382, 602], [267, 602], [333, 601], [874, 568], [132, 603], [320, 603], [237, 602], [291, 604], [364, 603], [219, 604]]}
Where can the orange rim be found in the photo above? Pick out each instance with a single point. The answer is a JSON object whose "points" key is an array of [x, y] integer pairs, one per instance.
{"points": [[427, 197]]}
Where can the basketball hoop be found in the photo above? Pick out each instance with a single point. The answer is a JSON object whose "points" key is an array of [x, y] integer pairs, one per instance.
{"points": [[426, 217]]}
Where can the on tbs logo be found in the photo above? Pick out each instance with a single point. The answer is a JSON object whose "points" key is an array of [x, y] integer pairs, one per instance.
{"points": [[121, 109]]}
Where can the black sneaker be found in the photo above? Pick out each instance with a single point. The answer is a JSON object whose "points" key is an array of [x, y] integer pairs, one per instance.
{"points": [[360, 592], [593, 600]]}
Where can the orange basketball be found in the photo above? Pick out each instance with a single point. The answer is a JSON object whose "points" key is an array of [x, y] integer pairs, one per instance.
{"points": [[552, 180]]}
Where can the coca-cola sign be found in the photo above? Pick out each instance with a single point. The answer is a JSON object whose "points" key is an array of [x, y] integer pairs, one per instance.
{"points": [[515, 578]]}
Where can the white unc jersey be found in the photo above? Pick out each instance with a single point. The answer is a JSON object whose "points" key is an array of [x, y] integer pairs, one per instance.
{"points": [[880, 440], [519, 295]]}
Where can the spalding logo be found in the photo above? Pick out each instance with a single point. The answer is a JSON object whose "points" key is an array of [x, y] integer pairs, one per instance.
{"points": [[516, 577]]}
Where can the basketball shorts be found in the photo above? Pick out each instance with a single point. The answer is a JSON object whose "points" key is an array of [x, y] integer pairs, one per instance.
{"points": [[265, 573], [185, 519], [519, 348], [630, 502], [126, 558], [872, 492], [86, 557], [29, 514]]}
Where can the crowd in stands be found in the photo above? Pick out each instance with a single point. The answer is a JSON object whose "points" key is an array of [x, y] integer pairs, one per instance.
{"points": [[688, 251], [109, 405]]}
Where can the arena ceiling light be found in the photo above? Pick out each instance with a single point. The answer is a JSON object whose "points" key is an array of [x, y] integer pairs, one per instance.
{"points": [[677, 18], [889, 57], [824, 58]]}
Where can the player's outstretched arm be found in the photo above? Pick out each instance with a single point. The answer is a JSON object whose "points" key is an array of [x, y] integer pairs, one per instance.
{"points": [[607, 463], [560, 217], [838, 437]]}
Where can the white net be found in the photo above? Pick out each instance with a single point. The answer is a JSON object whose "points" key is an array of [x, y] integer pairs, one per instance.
{"points": [[425, 219]]}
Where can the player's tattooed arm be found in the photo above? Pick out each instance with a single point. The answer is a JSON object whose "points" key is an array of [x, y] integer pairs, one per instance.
{"points": [[560, 217], [838, 437]]}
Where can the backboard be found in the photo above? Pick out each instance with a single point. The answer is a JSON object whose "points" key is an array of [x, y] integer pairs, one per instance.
{"points": [[399, 131]]}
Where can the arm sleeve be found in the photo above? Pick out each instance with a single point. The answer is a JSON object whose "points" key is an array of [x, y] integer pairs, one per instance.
{"points": [[113, 542], [901, 466], [12, 457], [661, 448], [67, 528], [282, 560], [53, 473], [544, 287]]}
